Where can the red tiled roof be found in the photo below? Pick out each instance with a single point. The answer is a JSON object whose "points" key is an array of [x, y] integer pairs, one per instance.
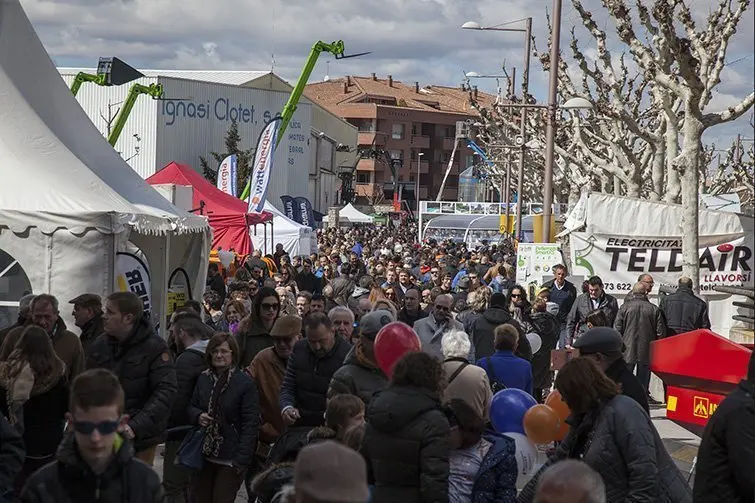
{"points": [[330, 94]]}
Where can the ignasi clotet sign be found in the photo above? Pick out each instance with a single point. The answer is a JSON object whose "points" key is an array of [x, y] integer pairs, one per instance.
{"points": [[619, 260]]}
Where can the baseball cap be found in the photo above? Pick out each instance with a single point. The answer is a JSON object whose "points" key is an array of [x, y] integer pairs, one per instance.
{"points": [[329, 471], [372, 322]]}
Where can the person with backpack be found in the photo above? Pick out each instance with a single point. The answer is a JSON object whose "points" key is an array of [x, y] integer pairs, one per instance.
{"points": [[504, 369], [463, 380]]}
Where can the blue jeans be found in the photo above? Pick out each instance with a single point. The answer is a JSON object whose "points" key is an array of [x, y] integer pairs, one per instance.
{"points": [[563, 337]]}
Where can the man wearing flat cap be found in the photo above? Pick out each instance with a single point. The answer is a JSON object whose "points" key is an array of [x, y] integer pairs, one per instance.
{"points": [[360, 374], [330, 472], [87, 314], [604, 345]]}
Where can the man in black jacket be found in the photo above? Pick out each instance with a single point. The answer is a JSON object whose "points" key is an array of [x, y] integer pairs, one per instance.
{"points": [[306, 280], [11, 458], [142, 362], [604, 345], [595, 298], [87, 313], [726, 459], [563, 293], [308, 373], [684, 311], [411, 311], [94, 462], [189, 331]]}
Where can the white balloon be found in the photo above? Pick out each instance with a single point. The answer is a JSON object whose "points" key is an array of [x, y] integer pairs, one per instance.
{"points": [[535, 341], [526, 455]]}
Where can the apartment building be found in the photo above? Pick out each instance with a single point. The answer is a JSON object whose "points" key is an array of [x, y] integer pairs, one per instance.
{"points": [[416, 125]]}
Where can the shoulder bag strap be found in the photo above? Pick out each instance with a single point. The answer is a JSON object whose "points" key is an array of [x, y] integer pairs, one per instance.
{"points": [[457, 371]]}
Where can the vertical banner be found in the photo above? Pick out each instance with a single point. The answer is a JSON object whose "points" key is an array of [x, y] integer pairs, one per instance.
{"points": [[263, 165], [288, 207], [132, 275], [304, 212], [227, 175]]}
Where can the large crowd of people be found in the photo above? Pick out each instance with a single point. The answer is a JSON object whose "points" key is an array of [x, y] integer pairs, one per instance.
{"points": [[271, 384]]}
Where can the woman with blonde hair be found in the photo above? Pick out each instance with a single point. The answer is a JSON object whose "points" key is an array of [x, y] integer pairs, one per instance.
{"points": [[34, 397]]}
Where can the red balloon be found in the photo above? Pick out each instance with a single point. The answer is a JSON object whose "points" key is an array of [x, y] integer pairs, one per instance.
{"points": [[392, 342]]}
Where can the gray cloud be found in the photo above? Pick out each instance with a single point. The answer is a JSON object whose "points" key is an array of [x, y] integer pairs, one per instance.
{"points": [[414, 40]]}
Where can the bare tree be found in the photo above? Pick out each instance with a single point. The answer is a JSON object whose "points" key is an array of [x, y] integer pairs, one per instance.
{"points": [[684, 63], [113, 109]]}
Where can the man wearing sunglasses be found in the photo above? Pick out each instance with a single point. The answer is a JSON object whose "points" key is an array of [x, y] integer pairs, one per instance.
{"points": [[95, 461]]}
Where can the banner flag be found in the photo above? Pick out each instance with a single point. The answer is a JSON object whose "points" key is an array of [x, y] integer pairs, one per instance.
{"points": [[132, 275], [227, 175], [304, 212], [288, 207], [263, 165]]}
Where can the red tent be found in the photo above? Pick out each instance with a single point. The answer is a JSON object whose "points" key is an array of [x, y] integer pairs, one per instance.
{"points": [[227, 215]]}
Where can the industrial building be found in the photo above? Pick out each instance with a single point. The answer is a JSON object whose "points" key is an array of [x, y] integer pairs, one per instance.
{"points": [[193, 116]]}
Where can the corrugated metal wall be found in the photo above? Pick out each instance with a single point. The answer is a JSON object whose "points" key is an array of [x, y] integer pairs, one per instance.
{"points": [[196, 121], [137, 143]]}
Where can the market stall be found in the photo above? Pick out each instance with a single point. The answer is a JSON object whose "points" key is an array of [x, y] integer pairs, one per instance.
{"points": [[70, 207], [227, 215]]}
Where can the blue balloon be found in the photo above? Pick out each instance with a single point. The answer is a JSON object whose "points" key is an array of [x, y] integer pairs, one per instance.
{"points": [[507, 410]]}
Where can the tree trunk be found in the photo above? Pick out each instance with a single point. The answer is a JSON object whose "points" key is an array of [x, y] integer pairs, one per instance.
{"points": [[658, 170], [687, 162], [673, 185]]}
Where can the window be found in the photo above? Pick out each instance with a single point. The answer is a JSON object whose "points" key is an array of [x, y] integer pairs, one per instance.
{"points": [[397, 132], [14, 284], [411, 178], [363, 177], [397, 154], [449, 132], [363, 125]]}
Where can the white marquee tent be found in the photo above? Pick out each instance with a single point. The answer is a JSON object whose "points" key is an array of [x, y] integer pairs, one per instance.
{"points": [[68, 202], [353, 215], [297, 239]]}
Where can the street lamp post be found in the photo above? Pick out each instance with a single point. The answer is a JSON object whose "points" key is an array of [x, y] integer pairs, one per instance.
{"points": [[419, 167], [550, 133]]}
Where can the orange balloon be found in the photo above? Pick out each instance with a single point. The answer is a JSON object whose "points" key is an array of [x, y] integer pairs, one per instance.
{"points": [[541, 424], [555, 402]]}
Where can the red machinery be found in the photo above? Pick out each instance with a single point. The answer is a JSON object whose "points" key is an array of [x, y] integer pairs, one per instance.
{"points": [[699, 369]]}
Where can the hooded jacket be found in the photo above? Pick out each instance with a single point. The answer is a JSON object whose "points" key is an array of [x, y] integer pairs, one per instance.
{"points": [[481, 329], [406, 445], [146, 372], [70, 480], [357, 377]]}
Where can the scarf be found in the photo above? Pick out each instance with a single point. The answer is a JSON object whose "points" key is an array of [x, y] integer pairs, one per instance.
{"points": [[21, 383], [363, 360], [213, 439]]}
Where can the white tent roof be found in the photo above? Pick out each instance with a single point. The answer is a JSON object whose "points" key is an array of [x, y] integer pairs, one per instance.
{"points": [[353, 215], [297, 239], [56, 168]]}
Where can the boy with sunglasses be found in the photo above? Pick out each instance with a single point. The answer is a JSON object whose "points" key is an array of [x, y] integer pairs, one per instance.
{"points": [[94, 462]]}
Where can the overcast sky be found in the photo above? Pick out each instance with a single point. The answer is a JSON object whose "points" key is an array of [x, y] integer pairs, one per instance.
{"points": [[413, 40]]}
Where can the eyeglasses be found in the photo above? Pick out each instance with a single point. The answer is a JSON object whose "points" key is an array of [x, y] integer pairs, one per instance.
{"points": [[270, 307], [515, 296], [104, 427]]}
